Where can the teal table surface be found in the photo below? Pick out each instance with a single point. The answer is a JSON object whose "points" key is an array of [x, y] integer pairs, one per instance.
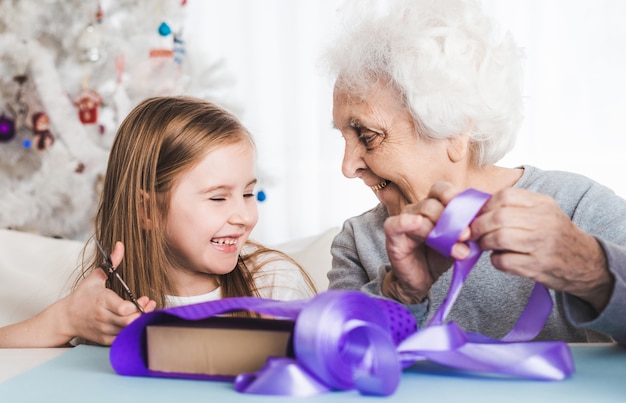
{"points": [[84, 374]]}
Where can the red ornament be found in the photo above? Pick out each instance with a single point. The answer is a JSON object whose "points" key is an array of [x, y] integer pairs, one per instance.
{"points": [[99, 13], [88, 102]]}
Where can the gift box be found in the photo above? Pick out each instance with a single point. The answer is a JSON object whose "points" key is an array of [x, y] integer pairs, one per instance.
{"points": [[218, 346]]}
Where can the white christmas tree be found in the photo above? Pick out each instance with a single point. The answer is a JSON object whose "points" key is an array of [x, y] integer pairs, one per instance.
{"points": [[70, 71]]}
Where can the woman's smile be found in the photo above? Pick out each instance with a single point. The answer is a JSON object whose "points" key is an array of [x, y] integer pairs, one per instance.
{"points": [[383, 184]]}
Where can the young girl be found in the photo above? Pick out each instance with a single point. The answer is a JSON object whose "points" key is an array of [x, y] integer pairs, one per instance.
{"points": [[177, 208]]}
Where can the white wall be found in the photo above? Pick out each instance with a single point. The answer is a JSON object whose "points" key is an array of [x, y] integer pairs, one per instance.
{"points": [[575, 86]]}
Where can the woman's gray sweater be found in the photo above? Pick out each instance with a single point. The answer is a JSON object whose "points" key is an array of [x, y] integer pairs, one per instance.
{"points": [[491, 301]]}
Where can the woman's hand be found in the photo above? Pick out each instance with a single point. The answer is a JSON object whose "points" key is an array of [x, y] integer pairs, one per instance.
{"points": [[414, 265], [530, 236]]}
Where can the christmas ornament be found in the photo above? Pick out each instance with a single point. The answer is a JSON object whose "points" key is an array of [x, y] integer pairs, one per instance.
{"points": [[99, 14], [89, 45], [42, 137], [164, 29], [121, 100], [179, 47], [7, 128], [19, 107], [161, 53], [88, 102], [263, 182]]}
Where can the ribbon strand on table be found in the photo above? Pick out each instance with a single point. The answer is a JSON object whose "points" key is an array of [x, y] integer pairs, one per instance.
{"points": [[345, 340]]}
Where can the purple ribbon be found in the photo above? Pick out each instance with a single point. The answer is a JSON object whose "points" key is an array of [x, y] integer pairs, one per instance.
{"points": [[346, 340], [342, 340], [449, 345]]}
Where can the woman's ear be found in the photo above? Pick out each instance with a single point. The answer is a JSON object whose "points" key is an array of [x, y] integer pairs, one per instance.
{"points": [[145, 217], [459, 146]]}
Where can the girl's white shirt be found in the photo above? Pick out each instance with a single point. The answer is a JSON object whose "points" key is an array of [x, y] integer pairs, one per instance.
{"points": [[278, 279]]}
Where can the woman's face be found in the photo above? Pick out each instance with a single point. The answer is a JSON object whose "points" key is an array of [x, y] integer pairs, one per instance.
{"points": [[384, 149], [212, 211]]}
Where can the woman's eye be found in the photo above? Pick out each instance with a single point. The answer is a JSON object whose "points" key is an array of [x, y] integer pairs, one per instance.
{"points": [[248, 195], [366, 137], [217, 198], [369, 138]]}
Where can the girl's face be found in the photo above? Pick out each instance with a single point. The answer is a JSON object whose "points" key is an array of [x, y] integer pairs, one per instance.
{"points": [[384, 149], [212, 211]]}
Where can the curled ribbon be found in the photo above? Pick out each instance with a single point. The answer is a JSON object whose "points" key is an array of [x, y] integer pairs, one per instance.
{"points": [[346, 340], [343, 340]]}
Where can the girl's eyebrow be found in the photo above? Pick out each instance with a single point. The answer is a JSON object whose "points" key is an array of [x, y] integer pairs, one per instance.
{"points": [[225, 187]]}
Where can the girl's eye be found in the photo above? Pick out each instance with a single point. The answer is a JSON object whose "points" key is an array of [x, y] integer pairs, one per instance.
{"points": [[248, 195], [217, 198]]}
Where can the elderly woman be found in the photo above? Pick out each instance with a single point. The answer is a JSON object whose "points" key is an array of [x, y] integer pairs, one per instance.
{"points": [[427, 103]]}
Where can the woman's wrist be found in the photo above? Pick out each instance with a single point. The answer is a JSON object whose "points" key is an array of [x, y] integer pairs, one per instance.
{"points": [[397, 290], [600, 282]]}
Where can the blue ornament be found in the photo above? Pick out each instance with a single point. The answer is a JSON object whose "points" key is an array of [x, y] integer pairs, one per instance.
{"points": [[164, 29], [261, 196], [27, 143]]}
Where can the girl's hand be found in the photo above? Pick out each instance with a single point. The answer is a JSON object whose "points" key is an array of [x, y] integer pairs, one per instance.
{"points": [[97, 313], [91, 312]]}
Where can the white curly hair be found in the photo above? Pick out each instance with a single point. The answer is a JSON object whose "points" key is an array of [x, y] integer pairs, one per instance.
{"points": [[442, 55]]}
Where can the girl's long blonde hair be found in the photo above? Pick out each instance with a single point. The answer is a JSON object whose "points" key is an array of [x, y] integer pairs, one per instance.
{"points": [[159, 140]]}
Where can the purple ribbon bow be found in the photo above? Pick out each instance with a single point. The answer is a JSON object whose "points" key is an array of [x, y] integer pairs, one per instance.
{"points": [[346, 340]]}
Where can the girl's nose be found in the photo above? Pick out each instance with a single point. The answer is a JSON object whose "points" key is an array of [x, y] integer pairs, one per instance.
{"points": [[244, 212]]}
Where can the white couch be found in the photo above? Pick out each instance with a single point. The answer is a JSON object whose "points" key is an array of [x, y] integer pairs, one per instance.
{"points": [[37, 270]]}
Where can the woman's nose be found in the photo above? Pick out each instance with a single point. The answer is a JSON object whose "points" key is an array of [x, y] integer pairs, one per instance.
{"points": [[352, 163]]}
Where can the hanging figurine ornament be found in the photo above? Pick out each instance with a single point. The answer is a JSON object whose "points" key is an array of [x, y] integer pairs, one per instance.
{"points": [[7, 128], [90, 51], [88, 102], [42, 137]]}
